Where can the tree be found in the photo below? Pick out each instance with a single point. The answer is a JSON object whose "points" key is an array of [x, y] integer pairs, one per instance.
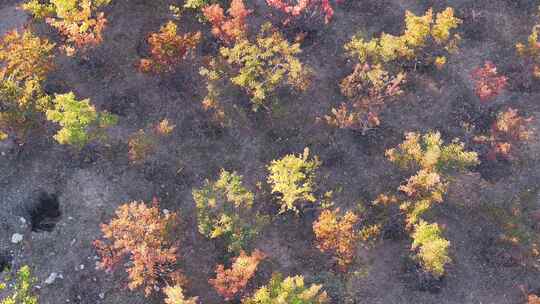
{"points": [[77, 20], [142, 234], [368, 90], [22, 288], [22, 104], [432, 248], [228, 29], [530, 52], [224, 211], [487, 82], [296, 8], [337, 234], [429, 152], [434, 161], [509, 131], [288, 290], [175, 295], [425, 39], [25, 60], [261, 66], [168, 49], [25, 56], [293, 178], [230, 282], [143, 142], [79, 120]]}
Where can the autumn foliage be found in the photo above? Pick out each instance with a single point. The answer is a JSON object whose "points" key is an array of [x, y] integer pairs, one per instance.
{"points": [[141, 234], [336, 233], [296, 8], [175, 295], [288, 290], [369, 90], [25, 56], [25, 61], [231, 281], [168, 49], [507, 133], [143, 143], [530, 51], [434, 162], [487, 82], [293, 178], [228, 28], [79, 21]]}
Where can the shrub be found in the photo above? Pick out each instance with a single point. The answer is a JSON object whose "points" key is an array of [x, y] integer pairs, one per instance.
{"points": [[22, 288], [25, 60], [77, 20], [295, 8], [288, 290], [224, 211], [432, 248], [79, 120], [422, 190], [507, 133], [434, 161], [530, 52], [425, 39], [25, 56], [143, 143], [142, 234], [22, 104], [168, 49], [429, 152], [228, 29], [293, 177], [368, 89], [230, 282], [175, 295], [337, 234], [260, 67], [487, 82]]}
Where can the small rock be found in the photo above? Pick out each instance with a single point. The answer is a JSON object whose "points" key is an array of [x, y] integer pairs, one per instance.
{"points": [[81, 267], [23, 220], [52, 277], [16, 238], [102, 295]]}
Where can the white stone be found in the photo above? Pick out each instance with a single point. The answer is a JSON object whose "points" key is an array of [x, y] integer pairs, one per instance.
{"points": [[52, 277], [16, 238]]}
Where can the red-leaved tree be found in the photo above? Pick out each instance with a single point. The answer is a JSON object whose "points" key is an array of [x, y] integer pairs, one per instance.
{"points": [[229, 282], [228, 28], [487, 82], [296, 8]]}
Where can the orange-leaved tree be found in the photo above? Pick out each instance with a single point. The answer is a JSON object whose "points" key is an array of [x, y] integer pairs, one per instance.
{"points": [[168, 49], [508, 132], [336, 233], [231, 28], [230, 282], [141, 233]]}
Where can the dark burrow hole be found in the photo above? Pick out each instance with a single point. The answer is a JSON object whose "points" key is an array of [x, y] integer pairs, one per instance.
{"points": [[45, 212], [5, 261]]}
